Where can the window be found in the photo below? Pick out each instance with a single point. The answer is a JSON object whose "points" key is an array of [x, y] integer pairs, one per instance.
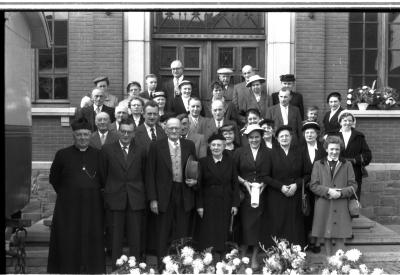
{"points": [[374, 49], [53, 62]]}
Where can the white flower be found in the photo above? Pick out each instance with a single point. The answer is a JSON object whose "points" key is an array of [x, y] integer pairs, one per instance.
{"points": [[135, 271], [234, 251], [152, 271], [219, 271], [187, 260], [377, 271], [350, 90], [353, 255], [167, 259], [187, 252], [124, 258], [348, 102], [142, 265], [364, 87], [296, 263], [236, 261], [334, 272], [346, 268], [292, 272], [198, 265], [335, 261], [266, 271], [339, 253], [354, 272], [248, 271], [296, 248], [219, 265], [282, 245], [207, 258], [349, 96], [132, 262], [119, 262], [302, 255], [171, 267], [228, 256], [364, 269], [245, 260], [229, 269], [325, 272]]}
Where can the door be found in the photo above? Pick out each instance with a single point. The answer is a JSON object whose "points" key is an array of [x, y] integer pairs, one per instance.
{"points": [[202, 58]]}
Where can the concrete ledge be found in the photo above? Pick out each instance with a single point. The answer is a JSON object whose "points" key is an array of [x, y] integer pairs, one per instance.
{"points": [[376, 113], [41, 111], [383, 166], [37, 165]]}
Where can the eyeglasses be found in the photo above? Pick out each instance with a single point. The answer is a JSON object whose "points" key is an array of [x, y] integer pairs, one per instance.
{"points": [[125, 132]]}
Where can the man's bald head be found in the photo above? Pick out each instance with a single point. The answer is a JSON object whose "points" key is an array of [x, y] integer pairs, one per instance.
{"points": [[102, 121], [98, 96], [247, 71], [176, 68]]}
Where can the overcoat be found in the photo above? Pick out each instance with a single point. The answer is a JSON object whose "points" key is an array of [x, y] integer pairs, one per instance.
{"points": [[96, 142], [218, 192], [294, 119], [77, 237], [297, 100], [331, 125], [283, 217], [89, 113], [331, 217], [253, 171]]}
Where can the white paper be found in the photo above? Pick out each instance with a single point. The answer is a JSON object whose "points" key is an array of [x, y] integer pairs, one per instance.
{"points": [[255, 194]]}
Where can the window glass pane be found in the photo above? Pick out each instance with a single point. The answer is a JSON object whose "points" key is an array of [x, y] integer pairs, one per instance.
{"points": [[45, 63], [371, 16], [394, 36], [394, 17], [225, 57], [370, 62], [356, 16], [60, 33], [249, 57], [371, 35], [61, 88], [394, 62], [50, 24], [192, 57], [61, 15], [394, 82], [45, 88], [167, 55], [369, 80], [60, 58], [356, 62], [355, 81], [356, 35]]}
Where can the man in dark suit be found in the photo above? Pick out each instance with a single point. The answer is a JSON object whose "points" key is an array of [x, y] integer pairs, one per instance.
{"points": [[170, 193], [212, 124], [288, 81], [171, 87], [198, 139], [151, 85], [122, 173], [98, 106], [121, 112], [102, 135], [224, 75], [150, 130], [286, 114]]}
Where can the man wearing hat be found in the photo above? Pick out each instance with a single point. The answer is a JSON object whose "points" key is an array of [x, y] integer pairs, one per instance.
{"points": [[288, 81], [224, 75], [257, 97], [102, 82], [90, 112], [180, 104], [77, 224]]}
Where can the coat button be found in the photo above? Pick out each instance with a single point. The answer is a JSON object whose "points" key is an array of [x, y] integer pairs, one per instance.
{"points": [[334, 223], [334, 185], [334, 211]]}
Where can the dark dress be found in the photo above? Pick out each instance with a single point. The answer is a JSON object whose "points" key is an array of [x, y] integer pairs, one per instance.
{"points": [[357, 149], [253, 171], [332, 125], [282, 216], [218, 192], [76, 239]]}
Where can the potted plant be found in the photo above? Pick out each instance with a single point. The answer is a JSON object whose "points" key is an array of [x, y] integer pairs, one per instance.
{"points": [[387, 98], [361, 97]]}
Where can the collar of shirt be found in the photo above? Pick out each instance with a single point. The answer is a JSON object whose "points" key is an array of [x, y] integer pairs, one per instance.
{"points": [[174, 143], [178, 80], [333, 112], [312, 146], [222, 99], [330, 159], [127, 146], [217, 160], [219, 121], [149, 127], [105, 133], [195, 119], [286, 108], [95, 107]]}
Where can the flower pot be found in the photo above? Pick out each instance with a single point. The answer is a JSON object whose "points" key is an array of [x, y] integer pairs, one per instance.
{"points": [[362, 106]]}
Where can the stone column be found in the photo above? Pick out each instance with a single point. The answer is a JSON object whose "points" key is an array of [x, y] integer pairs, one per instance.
{"points": [[280, 47], [137, 38]]}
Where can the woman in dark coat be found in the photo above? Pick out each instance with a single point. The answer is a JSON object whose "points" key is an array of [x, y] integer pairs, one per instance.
{"points": [[356, 149], [332, 181], [330, 120], [217, 198], [313, 151], [250, 162], [228, 131], [268, 138], [286, 171]]}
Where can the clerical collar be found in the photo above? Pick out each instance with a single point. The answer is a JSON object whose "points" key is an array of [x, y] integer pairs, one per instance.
{"points": [[82, 149], [330, 159], [217, 160]]}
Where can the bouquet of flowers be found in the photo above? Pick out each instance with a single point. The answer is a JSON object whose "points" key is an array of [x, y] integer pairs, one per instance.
{"points": [[387, 98], [284, 258], [129, 266], [348, 263], [364, 94], [234, 264]]}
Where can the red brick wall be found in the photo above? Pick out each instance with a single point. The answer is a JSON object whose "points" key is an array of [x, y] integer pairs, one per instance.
{"points": [[48, 137]]}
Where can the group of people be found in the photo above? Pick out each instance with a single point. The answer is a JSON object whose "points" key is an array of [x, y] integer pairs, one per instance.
{"points": [[127, 175]]}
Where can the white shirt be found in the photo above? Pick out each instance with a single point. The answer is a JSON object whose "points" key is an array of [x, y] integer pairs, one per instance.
{"points": [[285, 114], [286, 150], [258, 97], [174, 144], [254, 152], [333, 113], [127, 147], [137, 120], [195, 120], [217, 160], [186, 103], [95, 108], [311, 151], [219, 123], [148, 129], [346, 137]]}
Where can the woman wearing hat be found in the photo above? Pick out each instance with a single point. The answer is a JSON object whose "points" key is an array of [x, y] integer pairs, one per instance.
{"points": [[313, 151], [268, 137], [228, 131], [330, 119], [217, 197], [250, 162], [258, 98], [356, 149], [180, 104], [253, 116], [285, 173]]}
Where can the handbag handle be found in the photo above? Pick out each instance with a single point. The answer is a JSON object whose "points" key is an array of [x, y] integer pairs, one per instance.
{"points": [[354, 192]]}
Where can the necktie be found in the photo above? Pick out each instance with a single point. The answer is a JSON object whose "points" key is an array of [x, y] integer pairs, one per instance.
{"points": [[176, 147], [153, 135], [124, 151], [103, 139], [332, 165], [97, 110], [219, 124]]}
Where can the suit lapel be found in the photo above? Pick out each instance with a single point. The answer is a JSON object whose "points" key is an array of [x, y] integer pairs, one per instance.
{"points": [[279, 111], [338, 165], [166, 154], [120, 155], [131, 154]]}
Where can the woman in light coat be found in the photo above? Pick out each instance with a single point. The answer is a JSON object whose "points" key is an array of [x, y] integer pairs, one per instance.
{"points": [[333, 183]]}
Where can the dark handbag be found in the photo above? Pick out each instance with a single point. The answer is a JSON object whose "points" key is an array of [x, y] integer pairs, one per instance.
{"points": [[364, 171], [354, 205], [305, 201], [192, 168]]}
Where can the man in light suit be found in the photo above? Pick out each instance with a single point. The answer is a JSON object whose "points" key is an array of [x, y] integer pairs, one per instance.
{"points": [[89, 112], [170, 194], [195, 118], [121, 112], [102, 135], [286, 114], [212, 124], [198, 139], [171, 87], [122, 173], [150, 130]]}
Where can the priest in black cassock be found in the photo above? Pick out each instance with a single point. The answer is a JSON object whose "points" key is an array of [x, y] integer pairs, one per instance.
{"points": [[76, 239]]}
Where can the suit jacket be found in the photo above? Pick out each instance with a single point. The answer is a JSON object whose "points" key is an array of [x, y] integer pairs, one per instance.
{"points": [[297, 100], [333, 125], [123, 179], [199, 143], [294, 119], [230, 110], [145, 94], [159, 173], [177, 106], [194, 128], [250, 102], [209, 127], [141, 121], [169, 89], [89, 113], [113, 127], [143, 139], [228, 93], [319, 154], [96, 142]]}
